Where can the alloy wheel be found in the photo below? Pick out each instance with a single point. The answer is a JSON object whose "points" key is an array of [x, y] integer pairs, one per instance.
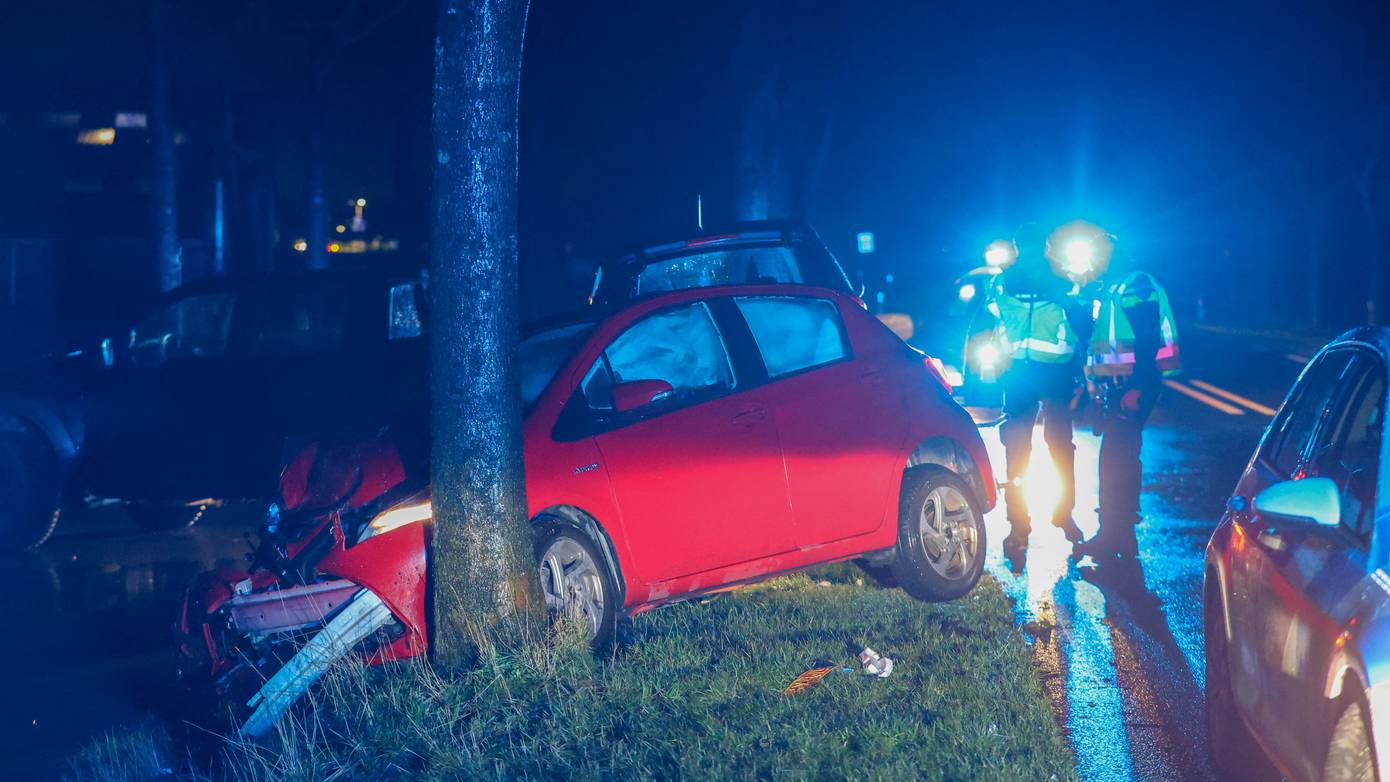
{"points": [[571, 581], [950, 532]]}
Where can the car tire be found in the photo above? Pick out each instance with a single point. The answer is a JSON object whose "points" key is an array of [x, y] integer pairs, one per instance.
{"points": [[31, 491], [1234, 753], [1350, 757], [941, 535], [574, 576]]}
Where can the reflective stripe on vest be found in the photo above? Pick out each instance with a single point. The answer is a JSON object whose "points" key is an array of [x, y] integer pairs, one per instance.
{"points": [[1112, 347], [1036, 330]]}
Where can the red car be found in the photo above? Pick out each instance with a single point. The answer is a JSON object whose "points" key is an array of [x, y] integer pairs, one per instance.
{"points": [[686, 443]]}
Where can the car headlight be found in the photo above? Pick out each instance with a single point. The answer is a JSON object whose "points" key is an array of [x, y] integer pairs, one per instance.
{"points": [[412, 511]]}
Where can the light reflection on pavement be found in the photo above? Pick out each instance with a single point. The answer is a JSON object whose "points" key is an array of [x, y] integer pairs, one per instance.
{"points": [[1126, 691]]}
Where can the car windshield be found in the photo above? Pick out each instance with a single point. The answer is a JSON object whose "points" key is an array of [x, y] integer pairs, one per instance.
{"points": [[543, 354], [741, 263]]}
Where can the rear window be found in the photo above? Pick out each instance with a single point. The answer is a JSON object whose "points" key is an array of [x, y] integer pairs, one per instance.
{"points": [[740, 264], [794, 333]]}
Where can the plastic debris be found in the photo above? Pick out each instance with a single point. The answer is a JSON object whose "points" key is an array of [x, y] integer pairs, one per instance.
{"points": [[810, 677], [875, 664]]}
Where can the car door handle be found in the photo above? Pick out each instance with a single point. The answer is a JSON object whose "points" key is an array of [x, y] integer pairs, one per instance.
{"points": [[749, 417]]}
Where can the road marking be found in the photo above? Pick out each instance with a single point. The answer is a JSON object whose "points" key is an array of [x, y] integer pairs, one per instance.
{"points": [[1209, 401], [1297, 358], [1234, 397]]}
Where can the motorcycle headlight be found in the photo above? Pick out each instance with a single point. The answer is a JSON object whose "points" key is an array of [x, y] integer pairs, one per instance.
{"points": [[412, 511]]}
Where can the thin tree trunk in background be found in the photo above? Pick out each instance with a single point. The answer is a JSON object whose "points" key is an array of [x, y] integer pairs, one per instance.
{"points": [[168, 254], [317, 231], [483, 569]]}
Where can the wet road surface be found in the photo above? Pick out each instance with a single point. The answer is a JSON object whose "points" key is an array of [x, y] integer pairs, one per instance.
{"points": [[1121, 657], [88, 620], [88, 617]]}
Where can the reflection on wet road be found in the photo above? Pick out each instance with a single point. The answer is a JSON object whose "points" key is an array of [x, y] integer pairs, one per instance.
{"points": [[88, 621], [1121, 657]]}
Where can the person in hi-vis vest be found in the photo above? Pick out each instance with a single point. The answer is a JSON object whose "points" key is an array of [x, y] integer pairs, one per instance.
{"points": [[1133, 344], [1035, 314]]}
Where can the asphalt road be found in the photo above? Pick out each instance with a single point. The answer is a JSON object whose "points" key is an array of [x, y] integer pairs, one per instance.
{"points": [[88, 616], [1121, 658]]}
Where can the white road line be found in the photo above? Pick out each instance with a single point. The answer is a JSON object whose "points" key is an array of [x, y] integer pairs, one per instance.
{"points": [[1297, 358], [1209, 401], [1233, 397]]}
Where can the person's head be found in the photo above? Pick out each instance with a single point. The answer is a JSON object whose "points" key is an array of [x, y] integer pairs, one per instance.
{"points": [[1030, 240]]}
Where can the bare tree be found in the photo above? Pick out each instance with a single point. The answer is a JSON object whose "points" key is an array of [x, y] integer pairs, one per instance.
{"points": [[483, 568], [168, 254]]}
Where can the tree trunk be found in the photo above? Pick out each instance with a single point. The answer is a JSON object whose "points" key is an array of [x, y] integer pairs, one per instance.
{"points": [[168, 254], [316, 232], [483, 569]]}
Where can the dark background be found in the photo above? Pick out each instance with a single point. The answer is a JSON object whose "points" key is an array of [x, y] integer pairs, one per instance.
{"points": [[1236, 150]]}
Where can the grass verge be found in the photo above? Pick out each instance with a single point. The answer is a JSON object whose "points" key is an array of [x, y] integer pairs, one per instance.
{"points": [[695, 691]]}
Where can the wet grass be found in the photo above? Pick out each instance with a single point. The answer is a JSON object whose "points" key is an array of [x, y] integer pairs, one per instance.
{"points": [[694, 691]]}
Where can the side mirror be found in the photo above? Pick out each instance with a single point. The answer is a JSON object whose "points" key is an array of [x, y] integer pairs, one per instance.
{"points": [[639, 393], [1311, 500]]}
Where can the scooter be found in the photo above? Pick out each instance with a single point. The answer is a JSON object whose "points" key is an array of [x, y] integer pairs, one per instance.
{"points": [[339, 569]]}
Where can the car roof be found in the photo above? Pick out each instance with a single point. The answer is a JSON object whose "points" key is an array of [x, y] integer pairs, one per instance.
{"points": [[742, 232], [1375, 336]]}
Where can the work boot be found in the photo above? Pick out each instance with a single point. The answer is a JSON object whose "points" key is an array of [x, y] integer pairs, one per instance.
{"points": [[1073, 533], [1017, 539]]}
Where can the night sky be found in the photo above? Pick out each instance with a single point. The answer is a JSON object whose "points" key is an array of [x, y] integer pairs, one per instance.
{"points": [[1224, 145]]}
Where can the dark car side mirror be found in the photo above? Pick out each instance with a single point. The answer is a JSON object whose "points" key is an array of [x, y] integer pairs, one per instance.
{"points": [[639, 393], [1310, 500]]}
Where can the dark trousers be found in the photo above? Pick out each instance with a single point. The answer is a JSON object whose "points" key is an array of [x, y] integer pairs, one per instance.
{"points": [[1028, 390], [1121, 474]]}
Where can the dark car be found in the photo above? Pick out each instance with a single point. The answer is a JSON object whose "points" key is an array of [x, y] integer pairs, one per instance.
{"points": [[748, 253], [1297, 600], [196, 402]]}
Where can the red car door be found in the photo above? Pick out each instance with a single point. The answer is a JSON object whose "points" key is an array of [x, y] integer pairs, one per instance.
{"points": [[839, 420], [696, 471]]}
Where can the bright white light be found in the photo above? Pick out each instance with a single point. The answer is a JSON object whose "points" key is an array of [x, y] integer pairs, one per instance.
{"points": [[987, 355], [361, 202], [967, 292], [1079, 254], [997, 255]]}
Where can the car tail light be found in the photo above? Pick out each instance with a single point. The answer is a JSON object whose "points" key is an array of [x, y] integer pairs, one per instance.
{"points": [[938, 371]]}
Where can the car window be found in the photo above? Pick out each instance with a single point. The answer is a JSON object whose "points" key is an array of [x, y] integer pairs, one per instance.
{"points": [[1348, 451], [681, 346], [195, 327], [1293, 430], [541, 356], [312, 320], [794, 333], [720, 267]]}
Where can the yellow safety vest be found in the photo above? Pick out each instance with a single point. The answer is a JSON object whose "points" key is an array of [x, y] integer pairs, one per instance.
{"points": [[1112, 342], [1034, 328]]}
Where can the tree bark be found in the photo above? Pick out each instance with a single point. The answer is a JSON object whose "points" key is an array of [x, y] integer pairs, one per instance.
{"points": [[168, 254], [483, 569]]}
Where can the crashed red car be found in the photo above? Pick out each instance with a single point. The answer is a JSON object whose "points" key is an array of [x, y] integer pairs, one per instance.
{"points": [[683, 444]]}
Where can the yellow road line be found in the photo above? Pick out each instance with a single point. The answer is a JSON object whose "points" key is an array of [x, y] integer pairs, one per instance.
{"points": [[1234, 397], [1209, 401]]}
